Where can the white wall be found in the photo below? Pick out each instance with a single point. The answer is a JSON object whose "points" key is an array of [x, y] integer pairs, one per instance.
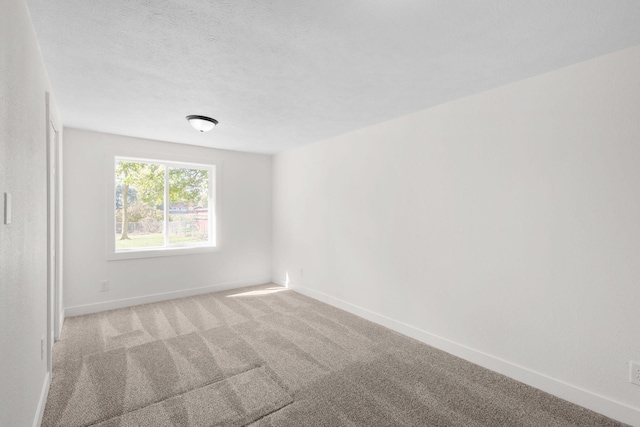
{"points": [[245, 256], [503, 227], [23, 243]]}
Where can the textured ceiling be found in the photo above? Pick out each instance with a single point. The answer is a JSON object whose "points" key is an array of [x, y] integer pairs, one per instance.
{"points": [[283, 73]]}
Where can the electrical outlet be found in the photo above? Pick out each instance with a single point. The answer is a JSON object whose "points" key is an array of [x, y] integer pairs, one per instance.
{"points": [[41, 348], [634, 373], [104, 285]]}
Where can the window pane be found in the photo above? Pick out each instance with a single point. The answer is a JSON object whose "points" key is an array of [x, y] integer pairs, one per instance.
{"points": [[188, 205], [139, 211]]}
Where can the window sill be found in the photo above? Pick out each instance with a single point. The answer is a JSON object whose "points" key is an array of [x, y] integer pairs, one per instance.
{"points": [[160, 252]]}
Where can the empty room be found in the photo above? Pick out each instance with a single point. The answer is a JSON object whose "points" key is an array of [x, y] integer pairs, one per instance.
{"points": [[328, 213]]}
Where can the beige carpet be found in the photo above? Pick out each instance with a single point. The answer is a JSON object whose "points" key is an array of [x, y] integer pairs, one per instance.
{"points": [[267, 356]]}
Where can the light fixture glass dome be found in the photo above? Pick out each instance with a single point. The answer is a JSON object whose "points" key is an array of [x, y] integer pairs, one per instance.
{"points": [[202, 123]]}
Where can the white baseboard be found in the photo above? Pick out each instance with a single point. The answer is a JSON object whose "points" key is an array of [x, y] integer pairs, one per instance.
{"points": [[37, 421], [128, 302], [584, 398]]}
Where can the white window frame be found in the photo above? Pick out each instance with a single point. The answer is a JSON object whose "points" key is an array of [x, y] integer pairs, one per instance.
{"points": [[213, 245]]}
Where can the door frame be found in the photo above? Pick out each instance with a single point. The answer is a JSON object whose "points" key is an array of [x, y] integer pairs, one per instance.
{"points": [[54, 227]]}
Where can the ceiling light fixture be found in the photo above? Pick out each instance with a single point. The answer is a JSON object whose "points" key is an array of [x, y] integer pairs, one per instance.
{"points": [[202, 123]]}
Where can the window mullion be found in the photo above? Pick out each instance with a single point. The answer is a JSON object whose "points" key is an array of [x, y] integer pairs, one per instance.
{"points": [[166, 205]]}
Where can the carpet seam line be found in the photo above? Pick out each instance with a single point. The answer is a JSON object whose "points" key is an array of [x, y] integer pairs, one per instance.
{"points": [[270, 412], [172, 396]]}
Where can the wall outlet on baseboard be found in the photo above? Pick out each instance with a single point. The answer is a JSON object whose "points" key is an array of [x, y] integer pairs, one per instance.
{"points": [[634, 373], [104, 285]]}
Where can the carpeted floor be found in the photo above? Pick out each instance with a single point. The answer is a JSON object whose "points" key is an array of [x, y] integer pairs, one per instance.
{"points": [[267, 356]]}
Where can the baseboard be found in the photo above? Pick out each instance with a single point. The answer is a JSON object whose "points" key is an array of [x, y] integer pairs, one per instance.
{"points": [[37, 421], [128, 302], [584, 398], [280, 283]]}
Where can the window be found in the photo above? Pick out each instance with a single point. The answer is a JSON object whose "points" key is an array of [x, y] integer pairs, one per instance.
{"points": [[161, 207]]}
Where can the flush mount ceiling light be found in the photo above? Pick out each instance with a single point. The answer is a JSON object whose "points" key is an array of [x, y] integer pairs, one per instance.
{"points": [[202, 123]]}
